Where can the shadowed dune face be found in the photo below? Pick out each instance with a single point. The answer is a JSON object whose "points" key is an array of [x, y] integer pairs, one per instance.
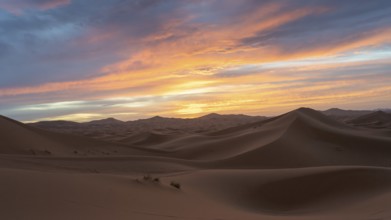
{"points": [[316, 191], [294, 191]]}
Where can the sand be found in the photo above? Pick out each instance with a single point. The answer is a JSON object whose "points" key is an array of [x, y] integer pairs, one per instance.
{"points": [[300, 165]]}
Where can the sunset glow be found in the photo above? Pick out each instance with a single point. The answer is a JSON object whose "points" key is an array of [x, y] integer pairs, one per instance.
{"points": [[83, 60]]}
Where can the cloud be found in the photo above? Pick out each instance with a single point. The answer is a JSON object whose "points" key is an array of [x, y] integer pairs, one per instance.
{"points": [[339, 25], [76, 41], [211, 52], [18, 6]]}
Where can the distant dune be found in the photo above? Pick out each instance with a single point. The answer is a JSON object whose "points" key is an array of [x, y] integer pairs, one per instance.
{"points": [[299, 165], [345, 115], [378, 119]]}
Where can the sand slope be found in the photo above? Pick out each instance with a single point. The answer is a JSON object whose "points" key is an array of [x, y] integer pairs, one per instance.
{"points": [[311, 139], [18, 138], [300, 165]]}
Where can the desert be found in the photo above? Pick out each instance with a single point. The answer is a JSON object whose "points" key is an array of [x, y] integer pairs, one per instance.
{"points": [[299, 165], [195, 109]]}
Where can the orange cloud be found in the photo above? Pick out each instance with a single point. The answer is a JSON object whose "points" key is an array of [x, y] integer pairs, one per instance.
{"points": [[179, 62]]}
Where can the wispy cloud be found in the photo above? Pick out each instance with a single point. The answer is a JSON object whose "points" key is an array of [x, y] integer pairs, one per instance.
{"points": [[18, 6], [187, 58]]}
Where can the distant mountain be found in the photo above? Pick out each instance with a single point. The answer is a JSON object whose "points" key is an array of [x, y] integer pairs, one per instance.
{"points": [[107, 121], [233, 117], [387, 110], [56, 124], [115, 130]]}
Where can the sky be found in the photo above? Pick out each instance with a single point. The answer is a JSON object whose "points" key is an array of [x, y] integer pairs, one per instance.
{"points": [[82, 60]]}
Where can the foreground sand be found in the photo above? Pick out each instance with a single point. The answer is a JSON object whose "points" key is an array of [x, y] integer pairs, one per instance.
{"points": [[297, 166]]}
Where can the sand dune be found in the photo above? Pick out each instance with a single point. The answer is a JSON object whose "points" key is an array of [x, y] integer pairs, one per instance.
{"points": [[378, 119], [310, 139], [18, 138], [300, 138], [345, 115], [300, 165]]}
